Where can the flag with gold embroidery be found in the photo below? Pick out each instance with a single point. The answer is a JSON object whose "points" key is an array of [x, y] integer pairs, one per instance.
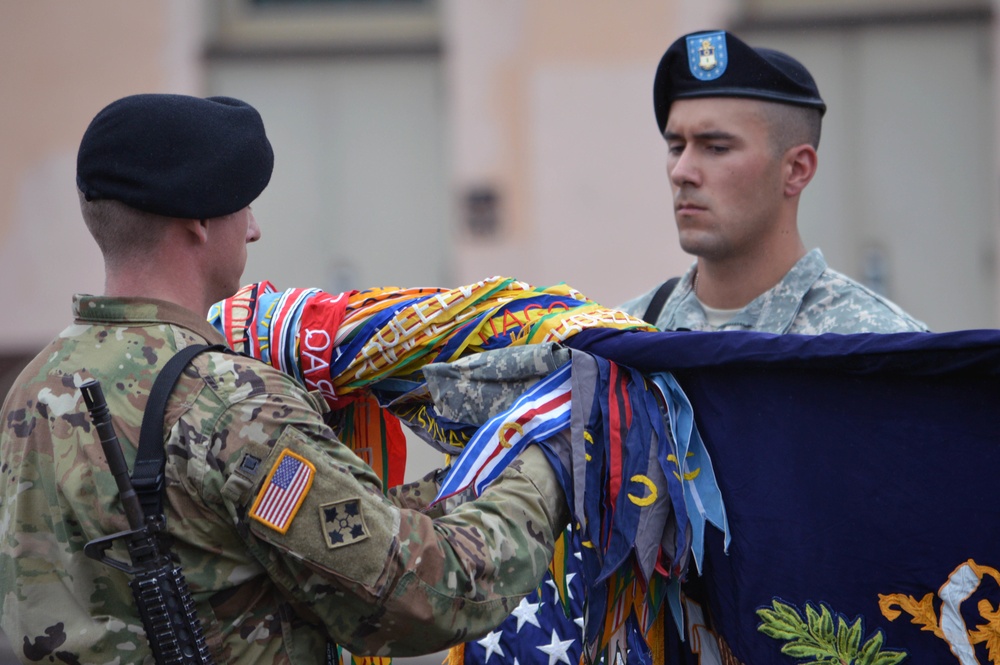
{"points": [[856, 473]]}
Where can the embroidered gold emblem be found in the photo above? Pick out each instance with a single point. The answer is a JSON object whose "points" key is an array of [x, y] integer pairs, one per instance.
{"points": [[706, 55], [507, 431], [650, 497], [688, 475], [950, 625]]}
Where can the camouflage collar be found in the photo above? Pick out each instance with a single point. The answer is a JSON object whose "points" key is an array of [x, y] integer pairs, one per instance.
{"points": [[140, 312], [772, 311], [776, 308]]}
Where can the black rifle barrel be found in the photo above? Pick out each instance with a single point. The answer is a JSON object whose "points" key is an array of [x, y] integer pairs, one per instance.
{"points": [[93, 396]]}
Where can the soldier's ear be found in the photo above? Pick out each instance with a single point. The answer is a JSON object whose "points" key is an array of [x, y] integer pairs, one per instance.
{"points": [[800, 164], [197, 229]]}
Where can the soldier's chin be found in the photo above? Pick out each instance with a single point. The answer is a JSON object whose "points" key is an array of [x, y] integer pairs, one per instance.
{"points": [[698, 244]]}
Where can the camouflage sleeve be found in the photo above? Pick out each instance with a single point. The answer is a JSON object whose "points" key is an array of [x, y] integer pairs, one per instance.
{"points": [[836, 303], [418, 494], [381, 579]]}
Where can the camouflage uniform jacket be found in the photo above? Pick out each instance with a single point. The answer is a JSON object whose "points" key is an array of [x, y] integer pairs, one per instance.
{"points": [[350, 566], [810, 299]]}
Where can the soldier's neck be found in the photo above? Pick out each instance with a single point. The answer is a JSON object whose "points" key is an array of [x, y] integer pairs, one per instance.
{"points": [[735, 282]]}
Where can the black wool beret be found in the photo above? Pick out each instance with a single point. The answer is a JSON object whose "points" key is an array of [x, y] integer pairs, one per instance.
{"points": [[719, 64], [176, 155]]}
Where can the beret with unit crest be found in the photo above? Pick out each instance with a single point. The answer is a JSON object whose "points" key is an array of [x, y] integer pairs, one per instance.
{"points": [[719, 64]]}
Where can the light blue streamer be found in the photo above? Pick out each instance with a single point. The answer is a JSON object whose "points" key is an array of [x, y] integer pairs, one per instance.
{"points": [[701, 493]]}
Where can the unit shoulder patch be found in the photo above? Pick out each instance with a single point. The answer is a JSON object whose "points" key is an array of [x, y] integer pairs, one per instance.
{"points": [[343, 523]]}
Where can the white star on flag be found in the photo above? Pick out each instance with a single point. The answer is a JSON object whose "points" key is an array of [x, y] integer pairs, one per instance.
{"points": [[532, 634], [492, 645], [569, 584], [569, 589], [556, 649], [526, 613]]}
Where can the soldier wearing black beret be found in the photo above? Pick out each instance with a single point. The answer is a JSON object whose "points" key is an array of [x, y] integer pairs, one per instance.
{"points": [[190, 168], [286, 539], [742, 126]]}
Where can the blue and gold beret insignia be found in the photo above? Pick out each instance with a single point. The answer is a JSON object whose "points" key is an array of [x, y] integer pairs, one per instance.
{"points": [[707, 55]]}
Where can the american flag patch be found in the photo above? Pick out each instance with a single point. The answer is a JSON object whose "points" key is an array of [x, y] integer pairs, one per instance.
{"points": [[284, 491]]}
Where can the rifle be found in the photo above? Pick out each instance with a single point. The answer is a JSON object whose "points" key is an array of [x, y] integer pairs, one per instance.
{"points": [[158, 586]]}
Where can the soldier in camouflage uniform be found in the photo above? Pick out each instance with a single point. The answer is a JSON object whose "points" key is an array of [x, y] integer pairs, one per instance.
{"points": [[742, 127], [166, 182]]}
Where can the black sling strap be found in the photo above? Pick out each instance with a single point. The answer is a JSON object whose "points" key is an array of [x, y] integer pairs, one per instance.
{"points": [[660, 297], [147, 475]]}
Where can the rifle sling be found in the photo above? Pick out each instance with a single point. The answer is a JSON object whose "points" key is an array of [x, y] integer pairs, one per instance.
{"points": [[659, 298], [147, 476]]}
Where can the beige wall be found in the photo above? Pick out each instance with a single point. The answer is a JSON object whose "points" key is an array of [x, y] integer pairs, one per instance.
{"points": [[60, 63], [358, 197], [551, 106]]}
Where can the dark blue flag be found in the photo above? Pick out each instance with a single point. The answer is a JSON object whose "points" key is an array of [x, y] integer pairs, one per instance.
{"points": [[860, 481]]}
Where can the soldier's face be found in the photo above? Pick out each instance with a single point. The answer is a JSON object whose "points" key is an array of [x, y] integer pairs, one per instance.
{"points": [[724, 173], [231, 235]]}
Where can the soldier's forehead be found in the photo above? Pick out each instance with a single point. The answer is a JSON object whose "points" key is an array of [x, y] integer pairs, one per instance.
{"points": [[704, 114]]}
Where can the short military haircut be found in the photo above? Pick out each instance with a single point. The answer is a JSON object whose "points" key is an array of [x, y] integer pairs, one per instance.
{"points": [[791, 125], [122, 233]]}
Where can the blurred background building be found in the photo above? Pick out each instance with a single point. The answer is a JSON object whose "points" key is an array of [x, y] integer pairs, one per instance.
{"points": [[438, 142]]}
